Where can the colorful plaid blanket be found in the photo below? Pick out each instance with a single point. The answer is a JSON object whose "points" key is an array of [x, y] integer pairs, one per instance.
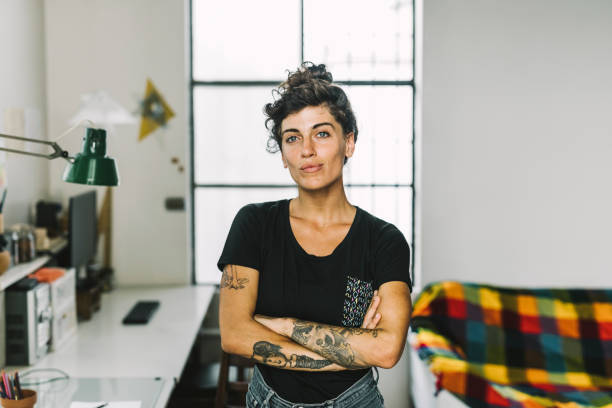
{"points": [[502, 347]]}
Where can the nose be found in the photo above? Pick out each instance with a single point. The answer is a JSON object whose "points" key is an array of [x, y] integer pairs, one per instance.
{"points": [[307, 147]]}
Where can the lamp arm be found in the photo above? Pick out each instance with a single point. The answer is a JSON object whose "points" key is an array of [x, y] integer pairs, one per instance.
{"points": [[57, 150]]}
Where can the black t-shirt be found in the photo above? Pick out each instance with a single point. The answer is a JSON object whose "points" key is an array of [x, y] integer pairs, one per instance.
{"points": [[335, 289]]}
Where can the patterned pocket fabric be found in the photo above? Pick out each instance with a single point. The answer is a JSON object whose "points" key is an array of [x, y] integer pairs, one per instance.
{"points": [[356, 301]]}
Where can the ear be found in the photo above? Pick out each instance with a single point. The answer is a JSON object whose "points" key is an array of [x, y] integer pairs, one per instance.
{"points": [[349, 144]]}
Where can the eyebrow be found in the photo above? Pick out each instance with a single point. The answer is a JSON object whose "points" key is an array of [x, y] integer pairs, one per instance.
{"points": [[314, 127]]}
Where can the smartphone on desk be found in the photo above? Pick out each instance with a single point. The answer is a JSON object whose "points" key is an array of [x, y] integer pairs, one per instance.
{"points": [[141, 312]]}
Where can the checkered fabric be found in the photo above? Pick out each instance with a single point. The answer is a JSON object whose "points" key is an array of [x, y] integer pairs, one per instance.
{"points": [[504, 347]]}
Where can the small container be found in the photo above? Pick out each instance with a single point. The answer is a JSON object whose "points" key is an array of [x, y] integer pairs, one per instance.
{"points": [[13, 238], [28, 400], [5, 261], [27, 245], [23, 244]]}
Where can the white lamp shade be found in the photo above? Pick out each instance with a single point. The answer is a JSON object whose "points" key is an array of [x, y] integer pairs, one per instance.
{"points": [[101, 109]]}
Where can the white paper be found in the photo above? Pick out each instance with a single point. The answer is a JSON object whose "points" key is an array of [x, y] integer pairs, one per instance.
{"points": [[103, 110], [111, 404]]}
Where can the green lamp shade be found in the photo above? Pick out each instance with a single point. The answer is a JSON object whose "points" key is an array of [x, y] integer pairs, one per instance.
{"points": [[92, 166]]}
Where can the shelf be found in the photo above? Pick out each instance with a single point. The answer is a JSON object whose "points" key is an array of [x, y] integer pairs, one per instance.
{"points": [[17, 272]]}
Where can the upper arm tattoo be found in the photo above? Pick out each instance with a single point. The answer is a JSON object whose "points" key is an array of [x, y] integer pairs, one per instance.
{"points": [[330, 341], [231, 280], [271, 354]]}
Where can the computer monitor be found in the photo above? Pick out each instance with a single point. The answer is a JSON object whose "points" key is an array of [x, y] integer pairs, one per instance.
{"points": [[82, 230]]}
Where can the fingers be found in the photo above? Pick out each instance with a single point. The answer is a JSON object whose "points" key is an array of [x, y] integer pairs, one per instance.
{"points": [[371, 312], [374, 321]]}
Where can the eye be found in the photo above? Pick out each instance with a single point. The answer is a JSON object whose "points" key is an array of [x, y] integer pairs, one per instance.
{"points": [[323, 134], [290, 139]]}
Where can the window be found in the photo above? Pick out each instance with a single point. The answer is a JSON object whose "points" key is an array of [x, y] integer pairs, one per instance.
{"points": [[240, 52]]}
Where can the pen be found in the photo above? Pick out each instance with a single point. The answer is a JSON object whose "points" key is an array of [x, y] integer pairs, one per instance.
{"points": [[102, 406], [7, 388], [3, 381], [18, 386], [12, 386], [3, 198], [2, 393]]}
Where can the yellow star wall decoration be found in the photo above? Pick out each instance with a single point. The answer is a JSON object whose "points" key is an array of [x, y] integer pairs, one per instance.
{"points": [[154, 111]]}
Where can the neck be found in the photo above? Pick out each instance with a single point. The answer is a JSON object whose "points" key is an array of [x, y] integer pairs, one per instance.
{"points": [[325, 206]]}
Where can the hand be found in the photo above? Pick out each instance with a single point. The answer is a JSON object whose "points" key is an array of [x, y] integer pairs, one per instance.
{"points": [[278, 325], [371, 318]]}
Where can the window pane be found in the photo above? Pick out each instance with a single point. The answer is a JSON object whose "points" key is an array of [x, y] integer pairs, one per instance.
{"points": [[230, 137], [360, 39], [383, 153], [391, 204], [215, 209], [229, 131], [249, 40]]}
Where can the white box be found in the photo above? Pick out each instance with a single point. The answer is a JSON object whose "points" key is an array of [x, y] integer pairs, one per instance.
{"points": [[64, 324], [63, 308], [63, 290]]}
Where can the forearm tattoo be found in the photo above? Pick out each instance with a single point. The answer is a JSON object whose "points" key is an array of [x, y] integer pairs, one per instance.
{"points": [[330, 341], [271, 354], [230, 279]]}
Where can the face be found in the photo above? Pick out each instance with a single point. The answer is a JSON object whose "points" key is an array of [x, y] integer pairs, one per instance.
{"points": [[278, 360], [314, 147]]}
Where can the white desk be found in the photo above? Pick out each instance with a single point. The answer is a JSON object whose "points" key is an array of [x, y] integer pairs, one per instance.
{"points": [[105, 348], [60, 394], [20, 271]]}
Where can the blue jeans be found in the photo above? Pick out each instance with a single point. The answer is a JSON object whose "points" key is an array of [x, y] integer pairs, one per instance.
{"points": [[363, 394]]}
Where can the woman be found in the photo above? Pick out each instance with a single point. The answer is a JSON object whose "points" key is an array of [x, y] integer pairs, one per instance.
{"points": [[299, 276]]}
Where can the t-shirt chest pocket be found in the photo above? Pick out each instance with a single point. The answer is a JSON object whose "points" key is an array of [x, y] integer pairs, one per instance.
{"points": [[356, 301]]}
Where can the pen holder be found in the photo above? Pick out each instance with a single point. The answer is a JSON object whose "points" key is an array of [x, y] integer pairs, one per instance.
{"points": [[28, 400], [5, 261]]}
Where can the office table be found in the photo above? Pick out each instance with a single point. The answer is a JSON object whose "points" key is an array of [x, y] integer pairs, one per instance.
{"points": [[103, 348]]}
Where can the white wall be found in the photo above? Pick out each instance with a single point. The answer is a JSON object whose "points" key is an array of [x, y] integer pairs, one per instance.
{"points": [[517, 140], [115, 46], [22, 87]]}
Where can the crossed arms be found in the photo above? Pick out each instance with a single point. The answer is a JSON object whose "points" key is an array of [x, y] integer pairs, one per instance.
{"points": [[294, 344]]}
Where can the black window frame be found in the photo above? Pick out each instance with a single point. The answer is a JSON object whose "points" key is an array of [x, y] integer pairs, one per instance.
{"points": [[272, 84]]}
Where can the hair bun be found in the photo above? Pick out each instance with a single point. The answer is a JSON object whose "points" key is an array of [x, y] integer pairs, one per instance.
{"points": [[319, 72], [310, 85], [305, 74]]}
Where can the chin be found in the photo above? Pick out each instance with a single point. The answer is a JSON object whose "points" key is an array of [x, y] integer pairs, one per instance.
{"points": [[315, 182], [314, 185]]}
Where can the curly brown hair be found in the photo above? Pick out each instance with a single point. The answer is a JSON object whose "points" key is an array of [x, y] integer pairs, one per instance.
{"points": [[310, 85]]}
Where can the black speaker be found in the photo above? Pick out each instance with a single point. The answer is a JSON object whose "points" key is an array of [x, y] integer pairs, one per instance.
{"points": [[47, 216]]}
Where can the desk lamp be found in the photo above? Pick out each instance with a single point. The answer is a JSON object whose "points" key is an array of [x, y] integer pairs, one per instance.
{"points": [[91, 166]]}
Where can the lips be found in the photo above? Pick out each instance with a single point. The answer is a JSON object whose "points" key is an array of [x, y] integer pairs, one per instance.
{"points": [[311, 168]]}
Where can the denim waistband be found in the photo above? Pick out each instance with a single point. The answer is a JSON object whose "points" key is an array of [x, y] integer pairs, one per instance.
{"points": [[366, 384]]}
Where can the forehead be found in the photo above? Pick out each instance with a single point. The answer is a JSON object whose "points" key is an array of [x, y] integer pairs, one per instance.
{"points": [[308, 117]]}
